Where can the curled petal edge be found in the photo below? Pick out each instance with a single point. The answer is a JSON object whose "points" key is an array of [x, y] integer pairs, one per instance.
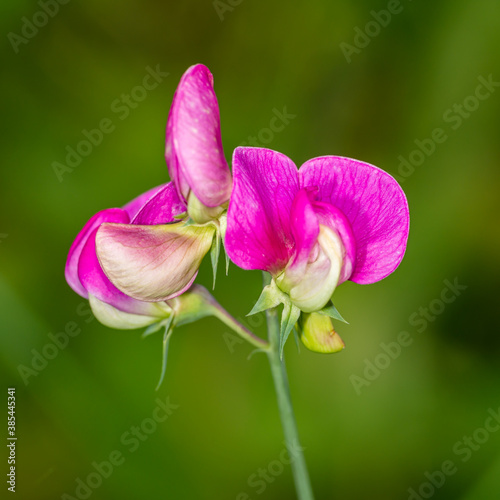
{"points": [[153, 263]]}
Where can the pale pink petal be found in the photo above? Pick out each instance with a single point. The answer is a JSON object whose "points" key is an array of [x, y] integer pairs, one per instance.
{"points": [[115, 318], [375, 206], [152, 263], [97, 283], [259, 233]]}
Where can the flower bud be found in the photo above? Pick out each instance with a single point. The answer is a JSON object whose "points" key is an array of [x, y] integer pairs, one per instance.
{"points": [[318, 335]]}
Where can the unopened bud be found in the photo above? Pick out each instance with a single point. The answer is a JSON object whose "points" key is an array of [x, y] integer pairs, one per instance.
{"points": [[318, 334]]}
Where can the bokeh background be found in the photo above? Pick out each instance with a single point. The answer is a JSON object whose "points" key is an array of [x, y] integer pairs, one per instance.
{"points": [[365, 96]]}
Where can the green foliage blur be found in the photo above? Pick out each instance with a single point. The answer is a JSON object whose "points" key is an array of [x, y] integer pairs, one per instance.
{"points": [[398, 89]]}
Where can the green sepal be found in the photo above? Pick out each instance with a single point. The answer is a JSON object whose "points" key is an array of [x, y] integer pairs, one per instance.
{"points": [[289, 317], [201, 213], [214, 255], [166, 340], [331, 310], [270, 297], [228, 260], [157, 326], [222, 229], [195, 304]]}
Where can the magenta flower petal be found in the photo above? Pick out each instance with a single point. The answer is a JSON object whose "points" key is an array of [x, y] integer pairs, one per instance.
{"points": [[194, 153], [152, 263], [305, 229], [259, 233], [161, 208], [71, 270], [133, 206], [97, 284], [375, 206]]}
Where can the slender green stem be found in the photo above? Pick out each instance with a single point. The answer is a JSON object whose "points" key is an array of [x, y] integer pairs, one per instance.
{"points": [[278, 370], [219, 312], [199, 303]]}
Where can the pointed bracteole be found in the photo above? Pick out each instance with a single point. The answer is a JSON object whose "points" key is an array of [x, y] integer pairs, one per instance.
{"points": [[157, 326], [270, 297], [214, 255], [166, 340], [289, 318], [331, 311]]}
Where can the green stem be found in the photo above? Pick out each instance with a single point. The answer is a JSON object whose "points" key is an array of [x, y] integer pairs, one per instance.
{"points": [[298, 464], [219, 312], [199, 303]]}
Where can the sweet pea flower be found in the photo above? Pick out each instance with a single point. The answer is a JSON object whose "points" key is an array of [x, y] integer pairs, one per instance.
{"points": [[85, 275], [332, 220], [156, 209], [153, 259]]}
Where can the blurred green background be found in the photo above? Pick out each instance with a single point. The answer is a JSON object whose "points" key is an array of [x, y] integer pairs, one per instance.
{"points": [[369, 97]]}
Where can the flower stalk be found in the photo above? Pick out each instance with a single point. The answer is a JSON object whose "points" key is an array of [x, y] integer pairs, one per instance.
{"points": [[309, 229], [280, 379], [220, 313]]}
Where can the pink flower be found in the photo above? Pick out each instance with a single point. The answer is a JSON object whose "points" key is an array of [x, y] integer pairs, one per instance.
{"points": [[85, 275], [334, 219]]}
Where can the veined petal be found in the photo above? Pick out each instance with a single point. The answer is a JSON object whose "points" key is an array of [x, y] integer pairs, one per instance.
{"points": [[333, 218], [194, 151], [152, 263], [305, 228], [375, 206], [114, 318], [259, 233], [133, 206], [98, 285], [71, 270], [161, 208]]}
